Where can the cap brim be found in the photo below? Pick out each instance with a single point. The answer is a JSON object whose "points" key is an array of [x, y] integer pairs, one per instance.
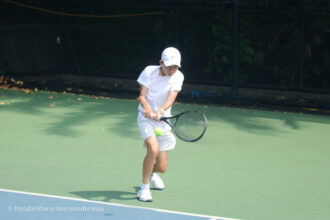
{"points": [[172, 63]]}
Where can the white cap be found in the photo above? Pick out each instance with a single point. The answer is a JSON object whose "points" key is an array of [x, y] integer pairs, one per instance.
{"points": [[171, 56]]}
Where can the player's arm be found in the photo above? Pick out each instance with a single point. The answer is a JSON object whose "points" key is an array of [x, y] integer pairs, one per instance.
{"points": [[170, 101], [147, 111]]}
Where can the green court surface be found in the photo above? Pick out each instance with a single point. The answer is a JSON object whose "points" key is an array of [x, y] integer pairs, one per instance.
{"points": [[250, 164]]}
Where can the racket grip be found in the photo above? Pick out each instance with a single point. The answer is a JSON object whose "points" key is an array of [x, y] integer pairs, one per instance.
{"points": [[153, 116]]}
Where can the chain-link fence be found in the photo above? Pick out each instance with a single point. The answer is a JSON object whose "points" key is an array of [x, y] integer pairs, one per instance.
{"points": [[279, 44]]}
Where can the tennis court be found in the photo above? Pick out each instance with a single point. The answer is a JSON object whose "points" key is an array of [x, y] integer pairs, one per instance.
{"points": [[65, 150]]}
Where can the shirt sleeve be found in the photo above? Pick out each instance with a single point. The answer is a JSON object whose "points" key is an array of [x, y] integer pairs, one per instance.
{"points": [[144, 78], [177, 85]]}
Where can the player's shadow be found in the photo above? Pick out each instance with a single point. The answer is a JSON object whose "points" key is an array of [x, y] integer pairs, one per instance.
{"points": [[106, 196]]}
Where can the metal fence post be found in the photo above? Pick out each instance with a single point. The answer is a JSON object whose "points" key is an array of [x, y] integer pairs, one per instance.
{"points": [[177, 27], [235, 49], [302, 45]]}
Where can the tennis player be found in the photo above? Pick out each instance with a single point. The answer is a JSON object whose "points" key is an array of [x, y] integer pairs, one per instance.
{"points": [[160, 86]]}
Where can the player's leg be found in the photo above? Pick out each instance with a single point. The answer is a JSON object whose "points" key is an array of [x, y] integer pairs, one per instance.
{"points": [[149, 160], [151, 143], [166, 142], [161, 162], [144, 193], [160, 166]]}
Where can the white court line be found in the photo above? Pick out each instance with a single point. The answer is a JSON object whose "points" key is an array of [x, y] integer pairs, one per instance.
{"points": [[116, 204]]}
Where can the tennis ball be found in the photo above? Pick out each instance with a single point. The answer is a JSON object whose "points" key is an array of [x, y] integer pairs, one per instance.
{"points": [[158, 131]]}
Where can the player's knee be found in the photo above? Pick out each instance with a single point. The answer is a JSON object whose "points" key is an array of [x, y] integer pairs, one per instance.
{"points": [[153, 151], [152, 146], [162, 167]]}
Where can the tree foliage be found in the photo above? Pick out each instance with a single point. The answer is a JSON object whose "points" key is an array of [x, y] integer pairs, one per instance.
{"points": [[282, 43]]}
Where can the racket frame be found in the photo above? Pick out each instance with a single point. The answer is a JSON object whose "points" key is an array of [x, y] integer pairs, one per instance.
{"points": [[165, 119]]}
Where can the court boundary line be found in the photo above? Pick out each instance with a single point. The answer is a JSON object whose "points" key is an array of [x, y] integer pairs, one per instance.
{"points": [[116, 204]]}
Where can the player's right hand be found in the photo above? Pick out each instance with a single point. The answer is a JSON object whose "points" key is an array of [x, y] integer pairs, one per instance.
{"points": [[147, 112]]}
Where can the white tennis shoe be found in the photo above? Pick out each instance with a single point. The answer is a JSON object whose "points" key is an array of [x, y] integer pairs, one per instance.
{"points": [[156, 182], [144, 195]]}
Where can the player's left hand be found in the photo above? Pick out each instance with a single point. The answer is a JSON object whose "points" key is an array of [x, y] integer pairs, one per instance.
{"points": [[158, 115]]}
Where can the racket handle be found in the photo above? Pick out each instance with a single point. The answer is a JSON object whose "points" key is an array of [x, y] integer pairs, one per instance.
{"points": [[153, 116]]}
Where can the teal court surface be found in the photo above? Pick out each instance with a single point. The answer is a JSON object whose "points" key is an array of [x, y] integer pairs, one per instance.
{"points": [[67, 156]]}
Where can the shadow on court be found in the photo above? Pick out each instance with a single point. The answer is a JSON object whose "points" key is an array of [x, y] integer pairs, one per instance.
{"points": [[106, 196], [69, 111], [66, 112], [263, 122]]}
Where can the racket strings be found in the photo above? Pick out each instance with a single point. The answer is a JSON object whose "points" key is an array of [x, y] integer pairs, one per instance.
{"points": [[190, 126]]}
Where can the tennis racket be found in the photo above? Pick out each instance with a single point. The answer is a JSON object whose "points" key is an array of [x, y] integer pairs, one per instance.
{"points": [[188, 126]]}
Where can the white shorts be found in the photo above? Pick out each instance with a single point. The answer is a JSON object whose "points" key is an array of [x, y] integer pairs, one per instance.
{"points": [[147, 126]]}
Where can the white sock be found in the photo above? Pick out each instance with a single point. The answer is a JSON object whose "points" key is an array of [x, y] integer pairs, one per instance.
{"points": [[145, 186]]}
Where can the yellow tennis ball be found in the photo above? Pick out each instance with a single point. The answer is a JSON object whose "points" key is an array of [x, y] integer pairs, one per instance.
{"points": [[158, 131]]}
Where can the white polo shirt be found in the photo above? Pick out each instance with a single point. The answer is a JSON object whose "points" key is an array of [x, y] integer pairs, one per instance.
{"points": [[159, 87]]}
